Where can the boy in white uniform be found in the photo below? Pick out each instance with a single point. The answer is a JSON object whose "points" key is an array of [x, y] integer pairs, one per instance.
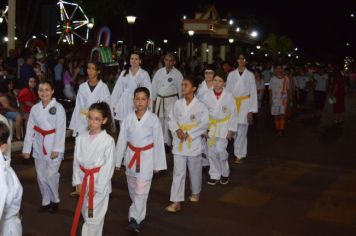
{"points": [[188, 120], [45, 135], [10, 190], [222, 119], [141, 145], [241, 84]]}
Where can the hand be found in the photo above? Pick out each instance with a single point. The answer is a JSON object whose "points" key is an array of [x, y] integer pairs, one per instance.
{"points": [[26, 155], [229, 135], [180, 134], [186, 135], [78, 188], [54, 155], [250, 118]]}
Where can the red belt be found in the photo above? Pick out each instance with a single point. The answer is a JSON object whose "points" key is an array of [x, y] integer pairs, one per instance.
{"points": [[137, 156], [87, 173], [44, 133]]}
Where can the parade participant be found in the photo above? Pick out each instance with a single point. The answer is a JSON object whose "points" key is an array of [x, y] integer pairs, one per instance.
{"points": [[141, 145], [242, 85], [93, 168], [301, 81], [92, 91], [321, 85], [130, 79], [222, 122], [11, 190], [188, 120], [166, 89], [279, 90], [45, 135]]}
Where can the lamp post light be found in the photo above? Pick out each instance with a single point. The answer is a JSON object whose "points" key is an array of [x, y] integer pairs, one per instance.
{"points": [[237, 29], [131, 21], [165, 41], [254, 34], [191, 34], [231, 41]]}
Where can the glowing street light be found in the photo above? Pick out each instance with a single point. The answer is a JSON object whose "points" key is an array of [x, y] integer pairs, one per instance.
{"points": [[296, 49], [231, 40], [1, 20], [258, 47], [191, 33], [289, 55], [252, 53], [184, 17], [165, 40], [266, 55], [352, 15], [131, 19], [254, 34], [238, 29], [231, 22]]}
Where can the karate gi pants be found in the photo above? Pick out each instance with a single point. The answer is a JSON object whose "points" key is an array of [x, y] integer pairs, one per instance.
{"points": [[94, 226], [165, 128], [218, 159], [204, 160], [181, 163], [240, 142], [138, 190], [11, 226], [48, 179]]}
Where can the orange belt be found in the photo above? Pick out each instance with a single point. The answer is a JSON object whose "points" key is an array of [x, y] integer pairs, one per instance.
{"points": [[44, 133], [137, 156], [87, 173]]}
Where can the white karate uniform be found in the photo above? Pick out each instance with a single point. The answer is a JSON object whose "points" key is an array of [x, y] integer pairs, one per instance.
{"points": [[5, 121], [53, 116], [93, 152], [85, 98], [10, 199], [140, 134], [187, 153], [239, 86], [166, 89], [203, 88], [223, 112], [123, 93]]}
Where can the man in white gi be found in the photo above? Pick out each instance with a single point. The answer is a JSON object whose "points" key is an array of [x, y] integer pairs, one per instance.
{"points": [[242, 84], [166, 89]]}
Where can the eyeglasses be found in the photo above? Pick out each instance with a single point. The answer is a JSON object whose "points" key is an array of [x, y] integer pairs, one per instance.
{"points": [[96, 120]]}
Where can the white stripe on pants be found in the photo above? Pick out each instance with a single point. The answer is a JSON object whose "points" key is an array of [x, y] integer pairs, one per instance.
{"points": [[11, 227], [218, 159], [138, 190], [48, 179], [94, 226], [240, 143], [179, 172], [165, 129]]}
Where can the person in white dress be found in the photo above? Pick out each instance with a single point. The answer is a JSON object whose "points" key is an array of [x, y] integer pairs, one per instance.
{"points": [[45, 136], [188, 121], [10, 190], [93, 168], [141, 146], [130, 79], [241, 84]]}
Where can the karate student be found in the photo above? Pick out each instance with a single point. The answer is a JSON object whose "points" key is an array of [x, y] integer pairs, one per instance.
{"points": [[93, 168], [130, 79], [242, 85], [279, 90], [45, 135], [188, 120], [166, 89], [222, 123], [92, 91], [10, 190], [141, 145]]}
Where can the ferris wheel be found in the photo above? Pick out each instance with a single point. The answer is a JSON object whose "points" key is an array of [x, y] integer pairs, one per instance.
{"points": [[73, 23], [3, 14]]}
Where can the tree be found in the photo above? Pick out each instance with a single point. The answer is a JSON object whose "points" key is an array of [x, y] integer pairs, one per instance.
{"points": [[274, 45]]}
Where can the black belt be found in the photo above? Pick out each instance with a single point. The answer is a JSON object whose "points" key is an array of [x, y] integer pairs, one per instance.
{"points": [[164, 97]]}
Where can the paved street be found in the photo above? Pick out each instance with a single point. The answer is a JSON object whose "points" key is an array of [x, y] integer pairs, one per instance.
{"points": [[299, 184]]}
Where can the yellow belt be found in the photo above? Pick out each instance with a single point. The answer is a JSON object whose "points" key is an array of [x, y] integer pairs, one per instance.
{"points": [[186, 128], [239, 100], [84, 112], [213, 124]]}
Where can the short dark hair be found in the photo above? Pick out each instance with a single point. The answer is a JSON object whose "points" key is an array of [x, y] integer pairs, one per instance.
{"points": [[194, 82], [209, 67], [221, 74], [46, 81], [143, 90], [4, 133]]}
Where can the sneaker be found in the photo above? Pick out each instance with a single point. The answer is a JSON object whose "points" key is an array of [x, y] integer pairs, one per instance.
{"points": [[44, 208], [53, 207], [133, 226], [173, 208], [212, 182], [224, 180], [194, 198]]}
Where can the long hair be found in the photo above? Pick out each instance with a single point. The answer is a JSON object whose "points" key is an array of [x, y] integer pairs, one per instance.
{"points": [[128, 65], [98, 67], [105, 111]]}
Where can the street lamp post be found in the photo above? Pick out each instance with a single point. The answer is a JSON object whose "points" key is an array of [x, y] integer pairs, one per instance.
{"points": [[11, 25], [131, 21], [191, 49]]}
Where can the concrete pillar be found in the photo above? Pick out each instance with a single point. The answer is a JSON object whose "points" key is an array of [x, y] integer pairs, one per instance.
{"points": [[223, 52], [11, 25], [188, 49], [210, 54], [204, 46]]}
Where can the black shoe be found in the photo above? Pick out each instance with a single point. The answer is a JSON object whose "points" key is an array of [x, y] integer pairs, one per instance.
{"points": [[167, 148], [44, 208], [224, 180], [133, 226], [212, 181], [53, 208]]}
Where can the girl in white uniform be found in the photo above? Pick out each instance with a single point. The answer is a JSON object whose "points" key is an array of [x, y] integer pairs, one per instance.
{"points": [[93, 168], [188, 120], [141, 145], [92, 91], [123, 93], [10, 190], [45, 135], [222, 119]]}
